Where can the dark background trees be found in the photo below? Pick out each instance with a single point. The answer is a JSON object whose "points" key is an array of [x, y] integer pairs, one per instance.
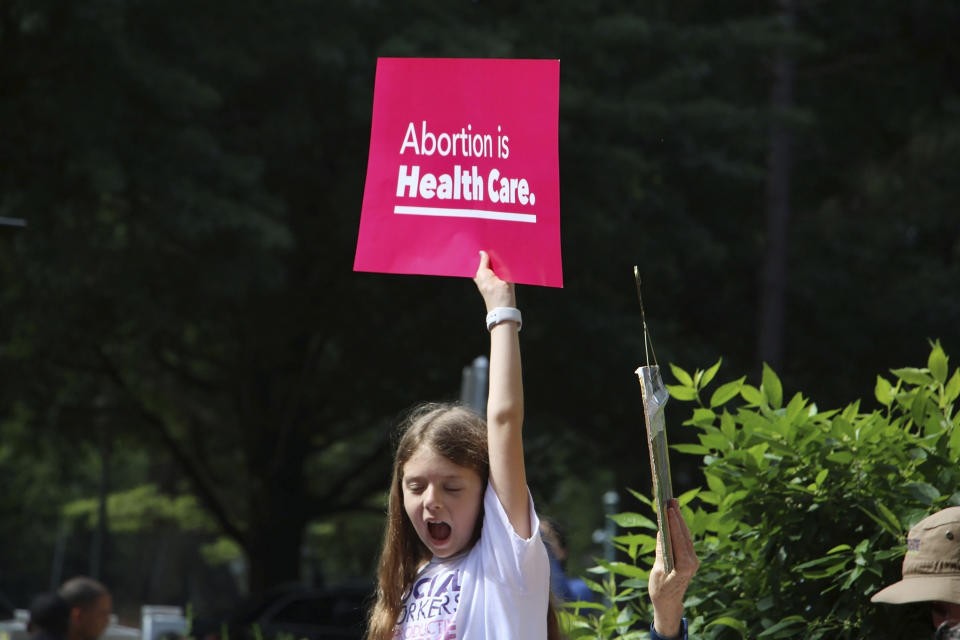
{"points": [[180, 310]]}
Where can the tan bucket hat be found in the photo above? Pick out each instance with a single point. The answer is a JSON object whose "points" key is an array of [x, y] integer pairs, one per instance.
{"points": [[931, 566]]}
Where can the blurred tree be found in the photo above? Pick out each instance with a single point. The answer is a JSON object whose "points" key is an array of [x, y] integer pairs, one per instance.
{"points": [[875, 233], [774, 272], [178, 279]]}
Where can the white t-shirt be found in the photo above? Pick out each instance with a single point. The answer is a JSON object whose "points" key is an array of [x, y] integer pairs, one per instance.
{"points": [[498, 590]]}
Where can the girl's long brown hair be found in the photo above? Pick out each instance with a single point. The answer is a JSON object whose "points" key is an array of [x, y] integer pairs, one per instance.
{"points": [[459, 435]]}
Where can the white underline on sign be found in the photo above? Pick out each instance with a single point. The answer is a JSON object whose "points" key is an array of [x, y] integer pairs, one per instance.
{"points": [[465, 213]]}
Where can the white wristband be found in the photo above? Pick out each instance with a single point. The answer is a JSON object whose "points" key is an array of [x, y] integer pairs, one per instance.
{"points": [[504, 314]]}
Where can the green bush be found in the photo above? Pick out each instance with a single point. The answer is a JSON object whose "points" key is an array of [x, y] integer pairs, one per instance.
{"points": [[805, 512]]}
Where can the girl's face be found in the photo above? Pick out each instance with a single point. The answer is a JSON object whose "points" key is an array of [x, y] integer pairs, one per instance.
{"points": [[442, 500]]}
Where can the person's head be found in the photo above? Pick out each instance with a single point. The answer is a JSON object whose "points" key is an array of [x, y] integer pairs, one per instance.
{"points": [[439, 474], [947, 631], [90, 606], [50, 614], [931, 568], [945, 614], [435, 504], [554, 537]]}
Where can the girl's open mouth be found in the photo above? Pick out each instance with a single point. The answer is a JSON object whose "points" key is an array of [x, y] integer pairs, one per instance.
{"points": [[439, 531]]}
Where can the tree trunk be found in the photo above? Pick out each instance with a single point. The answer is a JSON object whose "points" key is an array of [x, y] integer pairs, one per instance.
{"points": [[279, 512], [774, 274], [98, 543], [273, 555]]}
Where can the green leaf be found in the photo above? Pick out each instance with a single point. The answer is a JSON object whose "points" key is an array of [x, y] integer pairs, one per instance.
{"points": [[937, 363], [645, 542], [709, 497], [703, 416], [842, 429], [758, 452], [772, 387], [841, 457], [918, 408], [886, 525], [682, 393], [625, 619], [725, 392], [716, 484], [728, 427], [891, 517], [839, 548], [821, 477], [913, 375], [922, 492], [715, 441], [832, 570], [820, 562], [952, 390], [709, 374], [630, 520], [733, 498], [695, 449], [682, 376], [624, 569], [582, 604], [685, 498], [733, 623], [794, 407], [642, 498], [883, 391], [752, 395], [790, 622], [954, 444], [854, 574]]}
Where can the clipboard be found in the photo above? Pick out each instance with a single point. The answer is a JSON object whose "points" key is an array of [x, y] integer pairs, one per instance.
{"points": [[655, 396]]}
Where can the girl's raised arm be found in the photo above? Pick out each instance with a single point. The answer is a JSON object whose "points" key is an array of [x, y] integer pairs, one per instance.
{"points": [[505, 403]]}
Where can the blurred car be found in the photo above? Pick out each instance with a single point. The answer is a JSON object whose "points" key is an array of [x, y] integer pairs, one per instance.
{"points": [[334, 612]]}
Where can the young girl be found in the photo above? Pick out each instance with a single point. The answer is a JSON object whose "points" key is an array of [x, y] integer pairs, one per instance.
{"points": [[462, 556]]}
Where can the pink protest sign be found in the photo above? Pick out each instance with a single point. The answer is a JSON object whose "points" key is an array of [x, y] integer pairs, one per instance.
{"points": [[463, 157]]}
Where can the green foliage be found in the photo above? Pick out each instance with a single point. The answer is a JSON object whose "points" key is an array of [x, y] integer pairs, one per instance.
{"points": [[622, 610], [221, 551], [804, 513], [143, 508]]}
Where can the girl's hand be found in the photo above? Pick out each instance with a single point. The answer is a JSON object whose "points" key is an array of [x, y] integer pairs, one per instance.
{"points": [[495, 292]]}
